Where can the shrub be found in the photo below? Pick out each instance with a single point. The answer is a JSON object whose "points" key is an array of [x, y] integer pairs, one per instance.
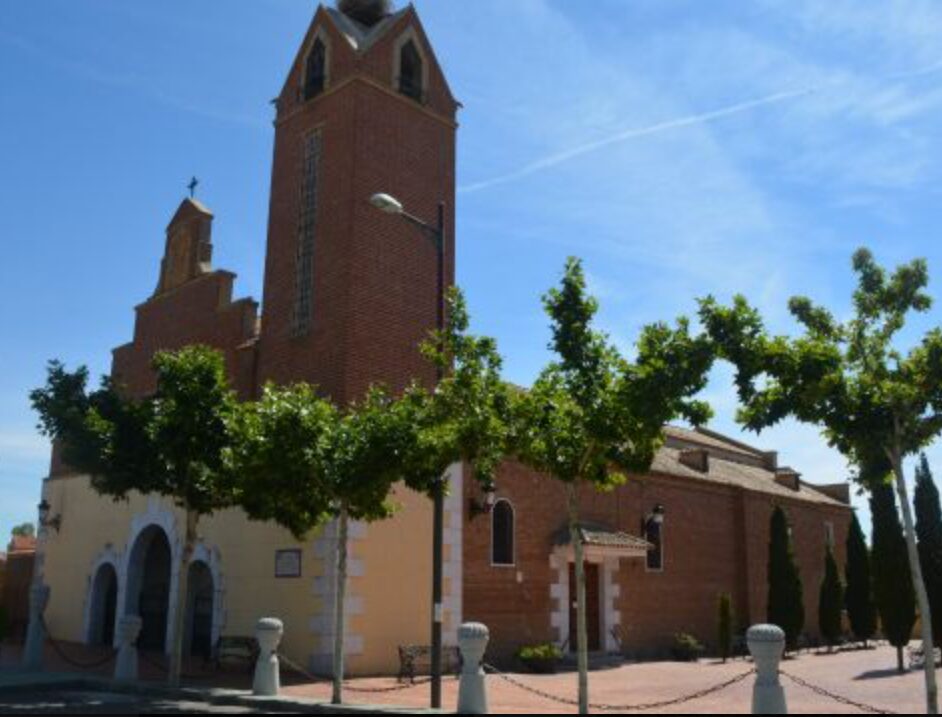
{"points": [[686, 648], [541, 658]]}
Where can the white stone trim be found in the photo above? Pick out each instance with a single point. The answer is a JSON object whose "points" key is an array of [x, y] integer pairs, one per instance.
{"points": [[322, 35], [321, 625], [453, 567], [108, 556], [156, 515]]}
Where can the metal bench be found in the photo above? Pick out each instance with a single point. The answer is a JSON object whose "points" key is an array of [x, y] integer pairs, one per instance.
{"points": [[243, 650], [417, 659]]}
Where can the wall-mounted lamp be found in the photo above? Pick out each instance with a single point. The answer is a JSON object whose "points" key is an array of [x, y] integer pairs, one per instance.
{"points": [[45, 521], [657, 515], [477, 507]]}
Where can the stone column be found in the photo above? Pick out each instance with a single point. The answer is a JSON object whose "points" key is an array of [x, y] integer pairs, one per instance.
{"points": [[472, 695], [129, 627], [268, 632], [35, 632], [767, 645]]}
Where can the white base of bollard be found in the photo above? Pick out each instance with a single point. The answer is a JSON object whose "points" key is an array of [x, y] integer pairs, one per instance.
{"points": [[267, 682]]}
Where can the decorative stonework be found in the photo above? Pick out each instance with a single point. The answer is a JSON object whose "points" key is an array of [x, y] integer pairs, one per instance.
{"points": [[609, 592]]}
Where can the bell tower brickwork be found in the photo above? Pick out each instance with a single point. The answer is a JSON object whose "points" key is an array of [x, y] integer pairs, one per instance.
{"points": [[349, 291]]}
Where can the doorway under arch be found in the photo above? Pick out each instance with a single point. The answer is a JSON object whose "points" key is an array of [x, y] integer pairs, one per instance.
{"points": [[148, 588], [104, 606], [199, 611]]}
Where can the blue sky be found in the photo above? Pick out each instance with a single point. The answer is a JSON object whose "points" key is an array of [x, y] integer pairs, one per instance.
{"points": [[680, 147]]}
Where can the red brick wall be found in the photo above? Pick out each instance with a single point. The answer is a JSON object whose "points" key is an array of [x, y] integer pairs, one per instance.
{"points": [[374, 275], [715, 540]]}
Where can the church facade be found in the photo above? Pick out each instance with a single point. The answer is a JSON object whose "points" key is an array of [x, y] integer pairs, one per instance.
{"points": [[349, 293]]}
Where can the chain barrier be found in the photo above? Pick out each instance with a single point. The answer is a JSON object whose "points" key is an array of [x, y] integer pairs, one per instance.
{"points": [[58, 649], [620, 708], [347, 687], [837, 698], [145, 657]]}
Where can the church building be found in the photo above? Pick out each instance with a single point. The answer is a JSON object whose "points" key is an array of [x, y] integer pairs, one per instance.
{"points": [[349, 292]]}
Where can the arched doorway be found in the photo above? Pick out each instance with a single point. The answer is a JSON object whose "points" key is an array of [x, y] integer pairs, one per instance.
{"points": [[104, 604], [199, 611], [148, 590]]}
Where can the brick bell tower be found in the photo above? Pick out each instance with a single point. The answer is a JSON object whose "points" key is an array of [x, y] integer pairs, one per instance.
{"points": [[349, 291]]}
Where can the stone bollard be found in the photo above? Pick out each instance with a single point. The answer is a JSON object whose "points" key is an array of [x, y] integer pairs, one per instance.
{"points": [[472, 695], [35, 632], [268, 632], [129, 628], [767, 644]]}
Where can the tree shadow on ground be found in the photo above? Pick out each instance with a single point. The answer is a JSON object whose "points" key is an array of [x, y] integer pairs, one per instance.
{"points": [[880, 674]]}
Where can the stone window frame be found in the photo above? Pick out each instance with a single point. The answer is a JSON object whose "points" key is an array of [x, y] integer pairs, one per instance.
{"points": [[410, 35], [322, 35], [829, 535], [513, 534]]}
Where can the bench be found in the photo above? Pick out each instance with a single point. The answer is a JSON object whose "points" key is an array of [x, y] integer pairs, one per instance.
{"points": [[243, 650], [917, 657], [417, 659]]}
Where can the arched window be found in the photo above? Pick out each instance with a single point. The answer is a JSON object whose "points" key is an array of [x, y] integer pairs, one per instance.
{"points": [[315, 70], [654, 534], [502, 533], [410, 71]]}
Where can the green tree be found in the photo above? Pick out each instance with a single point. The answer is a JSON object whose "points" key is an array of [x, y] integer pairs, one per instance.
{"points": [[592, 415], [892, 583], [786, 601], [830, 601], [929, 534], [299, 461], [170, 444], [876, 403], [724, 625], [859, 594], [25, 530]]}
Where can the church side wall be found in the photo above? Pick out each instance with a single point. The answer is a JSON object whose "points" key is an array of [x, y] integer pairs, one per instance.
{"points": [[387, 595]]}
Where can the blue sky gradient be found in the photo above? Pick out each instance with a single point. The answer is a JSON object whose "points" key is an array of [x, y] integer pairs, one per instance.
{"points": [[680, 147]]}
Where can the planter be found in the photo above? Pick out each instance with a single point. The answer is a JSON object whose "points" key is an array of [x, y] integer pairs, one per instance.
{"points": [[541, 665]]}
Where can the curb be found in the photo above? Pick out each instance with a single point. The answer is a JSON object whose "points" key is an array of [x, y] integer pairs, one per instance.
{"points": [[27, 682]]}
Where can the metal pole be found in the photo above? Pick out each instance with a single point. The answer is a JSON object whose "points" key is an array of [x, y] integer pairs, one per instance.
{"points": [[438, 527]]}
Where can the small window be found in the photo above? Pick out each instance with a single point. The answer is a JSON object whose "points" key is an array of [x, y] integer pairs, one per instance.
{"points": [[410, 71], [829, 534], [315, 70], [654, 534], [502, 533]]}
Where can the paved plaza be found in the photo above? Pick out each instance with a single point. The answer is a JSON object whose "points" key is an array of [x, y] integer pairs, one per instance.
{"points": [[865, 676]]}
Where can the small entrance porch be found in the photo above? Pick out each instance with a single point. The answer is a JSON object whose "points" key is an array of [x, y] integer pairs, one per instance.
{"points": [[603, 549]]}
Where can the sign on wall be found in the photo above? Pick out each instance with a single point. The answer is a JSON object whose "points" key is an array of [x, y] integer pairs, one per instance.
{"points": [[288, 563]]}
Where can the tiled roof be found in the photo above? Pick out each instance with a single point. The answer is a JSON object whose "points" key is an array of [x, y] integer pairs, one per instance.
{"points": [[594, 534], [730, 463]]}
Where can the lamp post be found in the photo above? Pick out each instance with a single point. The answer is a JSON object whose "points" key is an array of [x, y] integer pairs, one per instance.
{"points": [[436, 233]]}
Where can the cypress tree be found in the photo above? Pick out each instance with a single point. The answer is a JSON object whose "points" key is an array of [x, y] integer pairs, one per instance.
{"points": [[831, 601], [859, 595], [892, 581], [724, 626], [929, 535], [786, 607]]}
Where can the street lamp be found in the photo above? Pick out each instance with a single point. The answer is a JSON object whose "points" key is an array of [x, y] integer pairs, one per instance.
{"points": [[44, 520], [390, 205]]}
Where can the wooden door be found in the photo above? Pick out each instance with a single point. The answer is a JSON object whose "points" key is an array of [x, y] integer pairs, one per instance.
{"points": [[592, 611]]}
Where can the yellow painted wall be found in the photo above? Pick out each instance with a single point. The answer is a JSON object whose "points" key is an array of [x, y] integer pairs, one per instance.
{"points": [[395, 587]]}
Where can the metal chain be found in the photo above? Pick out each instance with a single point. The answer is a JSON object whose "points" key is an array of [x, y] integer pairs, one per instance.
{"points": [[347, 687], [57, 648], [837, 698], [620, 708]]}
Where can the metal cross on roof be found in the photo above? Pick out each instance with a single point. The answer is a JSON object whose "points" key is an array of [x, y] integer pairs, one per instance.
{"points": [[194, 183]]}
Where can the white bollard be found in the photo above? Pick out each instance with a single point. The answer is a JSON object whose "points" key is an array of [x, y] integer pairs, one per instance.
{"points": [[125, 668], [35, 633], [767, 645], [268, 632], [472, 695]]}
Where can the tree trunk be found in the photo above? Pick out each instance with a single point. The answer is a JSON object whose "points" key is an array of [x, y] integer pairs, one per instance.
{"points": [[340, 590], [925, 614], [900, 667], [582, 638], [176, 652]]}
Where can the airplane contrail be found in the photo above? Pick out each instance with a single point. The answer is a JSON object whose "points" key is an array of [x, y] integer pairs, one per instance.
{"points": [[633, 133]]}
